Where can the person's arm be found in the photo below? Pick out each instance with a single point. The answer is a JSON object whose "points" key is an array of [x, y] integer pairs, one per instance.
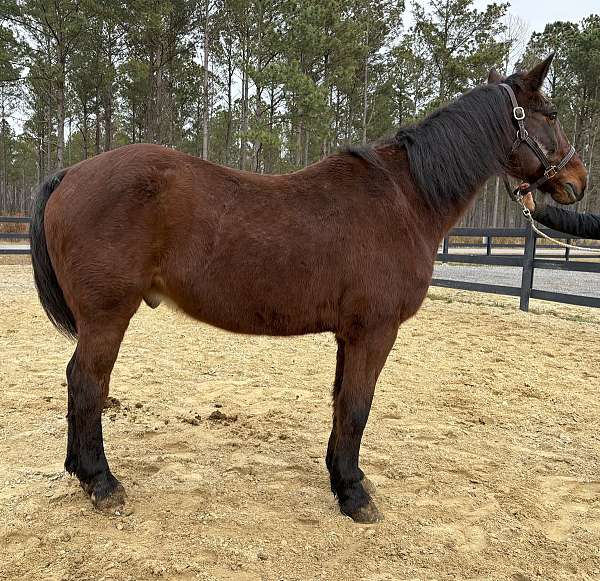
{"points": [[573, 223]]}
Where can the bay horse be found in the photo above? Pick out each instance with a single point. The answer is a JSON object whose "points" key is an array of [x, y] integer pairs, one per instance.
{"points": [[344, 246]]}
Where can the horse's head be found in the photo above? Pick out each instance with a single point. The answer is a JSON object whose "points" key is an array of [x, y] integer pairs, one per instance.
{"points": [[548, 149]]}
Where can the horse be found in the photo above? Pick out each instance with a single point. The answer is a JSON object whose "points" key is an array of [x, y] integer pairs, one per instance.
{"points": [[345, 246]]}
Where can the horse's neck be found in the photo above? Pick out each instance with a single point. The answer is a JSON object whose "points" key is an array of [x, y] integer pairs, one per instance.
{"points": [[458, 209], [452, 160], [439, 222]]}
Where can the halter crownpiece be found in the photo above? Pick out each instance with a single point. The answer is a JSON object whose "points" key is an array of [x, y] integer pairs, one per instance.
{"points": [[550, 170]]}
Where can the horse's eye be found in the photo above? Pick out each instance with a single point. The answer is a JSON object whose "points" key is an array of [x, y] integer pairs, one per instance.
{"points": [[552, 116]]}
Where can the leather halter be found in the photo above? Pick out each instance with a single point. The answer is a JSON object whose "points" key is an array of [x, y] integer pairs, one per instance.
{"points": [[550, 169]]}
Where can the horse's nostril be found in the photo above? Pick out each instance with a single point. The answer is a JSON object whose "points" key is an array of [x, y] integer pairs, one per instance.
{"points": [[575, 190]]}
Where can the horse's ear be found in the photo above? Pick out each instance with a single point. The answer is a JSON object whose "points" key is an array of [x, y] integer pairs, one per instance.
{"points": [[494, 77], [536, 76]]}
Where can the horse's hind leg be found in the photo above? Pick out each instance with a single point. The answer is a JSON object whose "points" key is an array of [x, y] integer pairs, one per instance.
{"points": [[337, 386], [362, 360], [88, 376]]}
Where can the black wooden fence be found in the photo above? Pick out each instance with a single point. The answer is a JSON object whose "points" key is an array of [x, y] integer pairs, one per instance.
{"points": [[528, 261], [12, 237]]}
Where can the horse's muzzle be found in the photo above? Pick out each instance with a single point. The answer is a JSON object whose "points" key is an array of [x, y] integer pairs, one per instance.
{"points": [[574, 192]]}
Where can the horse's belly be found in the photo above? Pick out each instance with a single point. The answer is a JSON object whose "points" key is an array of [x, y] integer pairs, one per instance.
{"points": [[284, 308], [255, 319]]}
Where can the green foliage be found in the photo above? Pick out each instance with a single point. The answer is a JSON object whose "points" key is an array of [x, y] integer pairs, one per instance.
{"points": [[460, 43], [287, 82]]}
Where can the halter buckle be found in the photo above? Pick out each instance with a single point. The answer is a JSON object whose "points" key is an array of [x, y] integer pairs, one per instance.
{"points": [[519, 113], [522, 134], [551, 172]]}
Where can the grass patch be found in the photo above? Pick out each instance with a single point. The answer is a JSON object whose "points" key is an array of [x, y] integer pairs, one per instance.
{"points": [[437, 297], [574, 317]]}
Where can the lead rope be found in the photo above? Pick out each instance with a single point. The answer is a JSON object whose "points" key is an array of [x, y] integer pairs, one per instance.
{"points": [[518, 197]]}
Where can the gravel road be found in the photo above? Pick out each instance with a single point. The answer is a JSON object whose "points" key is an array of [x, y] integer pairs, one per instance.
{"points": [[580, 283]]}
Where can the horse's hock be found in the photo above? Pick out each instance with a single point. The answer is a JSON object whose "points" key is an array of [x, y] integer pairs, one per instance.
{"points": [[482, 445]]}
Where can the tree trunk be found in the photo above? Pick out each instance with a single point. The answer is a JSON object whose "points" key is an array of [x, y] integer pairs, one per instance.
{"points": [[108, 121], [60, 127], [591, 159], [206, 112], [257, 145], [97, 123], [70, 139], [494, 223], [198, 123], [270, 156], [306, 146], [336, 130], [150, 121], [133, 120], [365, 100], [3, 181], [299, 145], [40, 160], [108, 97], [84, 130], [48, 140], [245, 90], [230, 71]]}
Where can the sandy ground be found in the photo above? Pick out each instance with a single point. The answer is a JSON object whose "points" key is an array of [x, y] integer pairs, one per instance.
{"points": [[483, 443]]}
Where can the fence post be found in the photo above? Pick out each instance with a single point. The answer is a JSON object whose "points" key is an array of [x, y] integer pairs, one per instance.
{"points": [[527, 276], [489, 246], [567, 251], [445, 250]]}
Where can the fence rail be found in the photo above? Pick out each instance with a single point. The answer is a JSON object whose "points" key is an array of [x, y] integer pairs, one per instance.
{"points": [[12, 237], [15, 219], [528, 261]]}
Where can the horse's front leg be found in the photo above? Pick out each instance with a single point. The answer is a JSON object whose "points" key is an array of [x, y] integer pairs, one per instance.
{"points": [[359, 365]]}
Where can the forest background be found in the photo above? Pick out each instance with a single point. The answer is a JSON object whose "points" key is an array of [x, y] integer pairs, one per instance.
{"points": [[267, 86]]}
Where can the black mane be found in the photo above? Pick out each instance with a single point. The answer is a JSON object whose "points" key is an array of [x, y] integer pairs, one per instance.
{"points": [[456, 148]]}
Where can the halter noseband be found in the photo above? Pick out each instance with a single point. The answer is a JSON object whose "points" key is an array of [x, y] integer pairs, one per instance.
{"points": [[550, 170]]}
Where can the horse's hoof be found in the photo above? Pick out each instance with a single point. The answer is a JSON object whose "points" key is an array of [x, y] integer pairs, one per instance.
{"points": [[107, 494], [366, 514], [369, 487], [110, 502]]}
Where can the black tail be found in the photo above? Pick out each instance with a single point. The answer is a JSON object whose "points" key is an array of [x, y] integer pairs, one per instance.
{"points": [[49, 291]]}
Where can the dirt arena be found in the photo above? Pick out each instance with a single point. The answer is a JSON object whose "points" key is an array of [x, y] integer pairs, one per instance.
{"points": [[483, 443]]}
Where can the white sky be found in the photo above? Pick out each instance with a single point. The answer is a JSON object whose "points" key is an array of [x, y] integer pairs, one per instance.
{"points": [[537, 13]]}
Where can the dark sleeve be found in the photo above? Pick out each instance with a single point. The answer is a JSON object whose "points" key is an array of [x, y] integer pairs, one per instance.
{"points": [[574, 223]]}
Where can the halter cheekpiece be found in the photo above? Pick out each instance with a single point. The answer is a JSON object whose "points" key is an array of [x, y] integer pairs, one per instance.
{"points": [[550, 169]]}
